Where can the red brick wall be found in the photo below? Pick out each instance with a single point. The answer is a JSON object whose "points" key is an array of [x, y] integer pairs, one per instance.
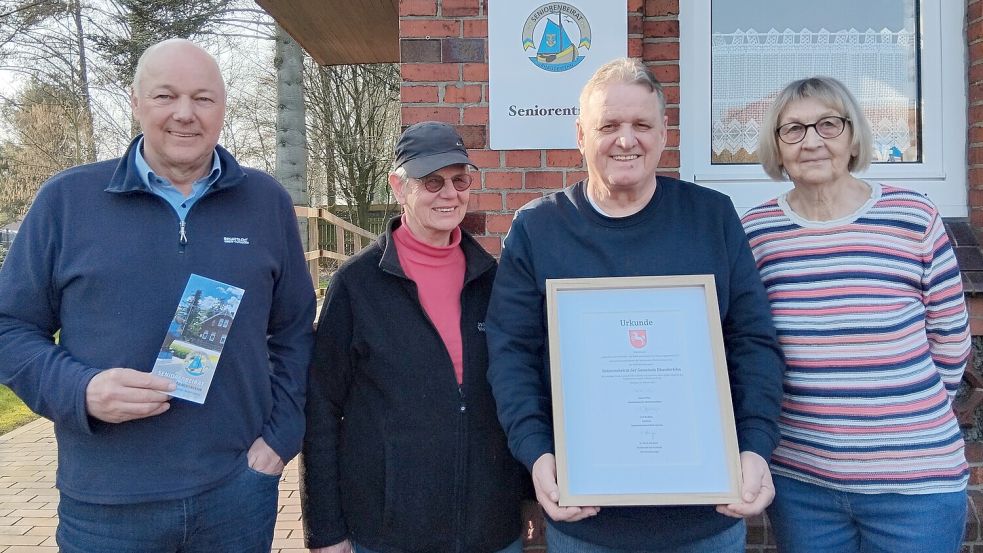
{"points": [[975, 303], [974, 180], [974, 40], [974, 139], [444, 64]]}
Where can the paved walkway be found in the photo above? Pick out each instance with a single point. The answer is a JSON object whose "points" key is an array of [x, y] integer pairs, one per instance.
{"points": [[29, 501]]}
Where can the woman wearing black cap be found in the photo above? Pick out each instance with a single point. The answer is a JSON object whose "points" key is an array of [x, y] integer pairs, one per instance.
{"points": [[403, 452]]}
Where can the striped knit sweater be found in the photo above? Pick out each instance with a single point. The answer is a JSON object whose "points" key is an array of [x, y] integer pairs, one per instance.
{"points": [[870, 312]]}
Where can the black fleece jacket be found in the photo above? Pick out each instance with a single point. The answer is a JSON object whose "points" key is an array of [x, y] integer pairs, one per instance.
{"points": [[397, 456]]}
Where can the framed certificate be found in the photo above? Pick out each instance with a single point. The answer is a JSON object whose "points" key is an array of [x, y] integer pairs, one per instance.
{"points": [[642, 412]]}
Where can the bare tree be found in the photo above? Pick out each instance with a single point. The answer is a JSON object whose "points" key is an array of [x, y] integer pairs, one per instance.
{"points": [[42, 142], [353, 125], [144, 23], [250, 121], [47, 40], [84, 54]]}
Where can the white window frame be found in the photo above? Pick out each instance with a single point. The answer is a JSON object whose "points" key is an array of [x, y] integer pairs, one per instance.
{"points": [[941, 175]]}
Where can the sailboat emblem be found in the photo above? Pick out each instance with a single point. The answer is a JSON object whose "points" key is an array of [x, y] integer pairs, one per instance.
{"points": [[562, 34]]}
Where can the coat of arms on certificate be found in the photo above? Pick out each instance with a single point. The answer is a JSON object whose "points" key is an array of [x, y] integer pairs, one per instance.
{"points": [[196, 335]]}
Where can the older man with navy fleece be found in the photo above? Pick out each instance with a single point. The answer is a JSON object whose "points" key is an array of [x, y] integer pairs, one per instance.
{"points": [[103, 257], [624, 220]]}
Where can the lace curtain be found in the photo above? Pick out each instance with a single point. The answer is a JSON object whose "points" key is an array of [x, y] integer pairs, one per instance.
{"points": [[751, 67]]}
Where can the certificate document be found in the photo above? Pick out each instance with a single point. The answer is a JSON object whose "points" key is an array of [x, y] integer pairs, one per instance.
{"points": [[196, 336], [641, 399]]}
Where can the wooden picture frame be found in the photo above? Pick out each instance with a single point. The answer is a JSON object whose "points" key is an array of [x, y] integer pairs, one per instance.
{"points": [[642, 411]]}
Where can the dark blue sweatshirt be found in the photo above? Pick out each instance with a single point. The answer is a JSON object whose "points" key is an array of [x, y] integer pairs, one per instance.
{"points": [[99, 258], [685, 229]]}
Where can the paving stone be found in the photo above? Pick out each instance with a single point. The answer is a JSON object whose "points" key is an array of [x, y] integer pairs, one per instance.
{"points": [[35, 521], [20, 540], [29, 500]]}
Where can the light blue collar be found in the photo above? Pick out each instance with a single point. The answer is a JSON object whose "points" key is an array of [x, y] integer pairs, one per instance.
{"points": [[165, 189]]}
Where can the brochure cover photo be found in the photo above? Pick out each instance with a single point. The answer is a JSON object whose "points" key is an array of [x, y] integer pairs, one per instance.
{"points": [[195, 337]]}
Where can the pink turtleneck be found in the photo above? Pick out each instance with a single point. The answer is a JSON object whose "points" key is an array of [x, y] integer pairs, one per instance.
{"points": [[438, 272]]}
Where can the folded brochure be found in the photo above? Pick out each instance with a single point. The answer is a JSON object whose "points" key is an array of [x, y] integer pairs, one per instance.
{"points": [[193, 344]]}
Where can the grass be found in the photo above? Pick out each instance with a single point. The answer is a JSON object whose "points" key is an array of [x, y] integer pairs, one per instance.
{"points": [[13, 412], [179, 351]]}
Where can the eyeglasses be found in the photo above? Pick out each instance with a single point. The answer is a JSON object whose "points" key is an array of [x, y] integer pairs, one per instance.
{"points": [[827, 127], [435, 183]]}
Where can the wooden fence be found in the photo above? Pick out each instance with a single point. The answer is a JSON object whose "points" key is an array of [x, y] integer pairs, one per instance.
{"points": [[346, 241]]}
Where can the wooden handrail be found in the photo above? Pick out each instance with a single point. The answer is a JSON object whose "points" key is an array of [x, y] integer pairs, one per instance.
{"points": [[314, 256], [324, 213]]}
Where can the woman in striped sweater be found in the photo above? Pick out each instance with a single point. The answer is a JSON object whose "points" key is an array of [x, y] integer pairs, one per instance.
{"points": [[868, 303]]}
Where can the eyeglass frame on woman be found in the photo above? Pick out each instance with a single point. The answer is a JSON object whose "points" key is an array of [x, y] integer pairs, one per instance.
{"points": [[815, 126], [430, 182]]}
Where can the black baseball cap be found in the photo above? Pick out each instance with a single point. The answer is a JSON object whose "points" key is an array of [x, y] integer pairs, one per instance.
{"points": [[429, 146]]}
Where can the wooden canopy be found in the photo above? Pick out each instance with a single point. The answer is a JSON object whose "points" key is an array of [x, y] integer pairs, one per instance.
{"points": [[341, 32]]}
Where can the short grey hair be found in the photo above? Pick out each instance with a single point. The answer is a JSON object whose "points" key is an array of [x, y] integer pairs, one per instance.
{"points": [[834, 95], [622, 70], [401, 173]]}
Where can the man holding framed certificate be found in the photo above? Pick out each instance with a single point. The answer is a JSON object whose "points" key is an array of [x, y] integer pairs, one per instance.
{"points": [[625, 221]]}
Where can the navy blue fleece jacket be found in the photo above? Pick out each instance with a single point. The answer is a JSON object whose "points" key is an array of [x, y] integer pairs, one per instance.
{"points": [[99, 258], [685, 229]]}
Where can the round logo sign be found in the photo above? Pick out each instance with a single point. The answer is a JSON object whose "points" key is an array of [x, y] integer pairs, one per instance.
{"points": [[197, 363], [558, 36]]}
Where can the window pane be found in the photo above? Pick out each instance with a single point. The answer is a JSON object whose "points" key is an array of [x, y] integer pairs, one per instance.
{"points": [[758, 46]]}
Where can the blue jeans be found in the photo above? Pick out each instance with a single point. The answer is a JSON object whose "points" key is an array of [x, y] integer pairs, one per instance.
{"points": [[808, 518], [514, 547], [731, 540], [236, 517]]}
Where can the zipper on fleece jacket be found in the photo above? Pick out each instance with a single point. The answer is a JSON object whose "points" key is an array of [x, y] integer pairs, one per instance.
{"points": [[460, 484], [462, 464]]}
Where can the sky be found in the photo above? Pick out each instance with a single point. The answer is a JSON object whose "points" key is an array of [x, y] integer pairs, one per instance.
{"points": [[212, 292], [237, 54]]}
